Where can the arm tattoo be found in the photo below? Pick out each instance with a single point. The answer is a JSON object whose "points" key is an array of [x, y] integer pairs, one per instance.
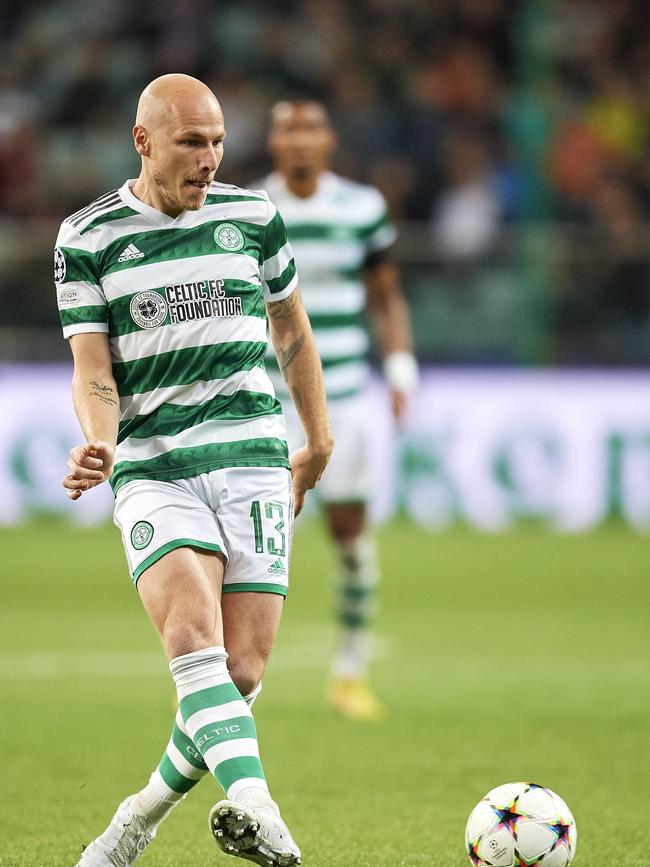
{"points": [[103, 392], [285, 309], [286, 356], [296, 397]]}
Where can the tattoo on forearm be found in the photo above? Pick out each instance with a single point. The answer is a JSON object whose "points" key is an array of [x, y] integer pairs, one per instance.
{"points": [[296, 397], [286, 356], [103, 392]]}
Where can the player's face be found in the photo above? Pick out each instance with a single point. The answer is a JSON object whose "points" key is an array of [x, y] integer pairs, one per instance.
{"points": [[185, 156], [301, 139]]}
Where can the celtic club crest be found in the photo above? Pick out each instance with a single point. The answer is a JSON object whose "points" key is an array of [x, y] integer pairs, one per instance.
{"points": [[141, 535], [229, 237]]}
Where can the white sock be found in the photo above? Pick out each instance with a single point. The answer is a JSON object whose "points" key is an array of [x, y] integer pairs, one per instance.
{"points": [[354, 653], [357, 603], [250, 698], [218, 720], [156, 800]]}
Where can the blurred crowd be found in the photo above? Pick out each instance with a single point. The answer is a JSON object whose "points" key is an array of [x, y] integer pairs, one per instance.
{"points": [[479, 118]]}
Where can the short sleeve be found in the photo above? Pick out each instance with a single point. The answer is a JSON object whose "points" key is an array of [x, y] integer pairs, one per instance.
{"points": [[379, 234], [81, 301], [278, 269]]}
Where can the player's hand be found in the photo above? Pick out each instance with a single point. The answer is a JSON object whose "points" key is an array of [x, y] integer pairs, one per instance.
{"points": [[398, 405], [307, 465], [89, 465]]}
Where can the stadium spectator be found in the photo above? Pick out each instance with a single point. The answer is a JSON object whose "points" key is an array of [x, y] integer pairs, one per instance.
{"points": [[398, 76]]}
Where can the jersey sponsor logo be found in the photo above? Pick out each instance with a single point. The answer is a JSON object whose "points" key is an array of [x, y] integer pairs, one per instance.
{"points": [[148, 309], [129, 253], [204, 299], [67, 296], [141, 535], [277, 568], [228, 237], [59, 266]]}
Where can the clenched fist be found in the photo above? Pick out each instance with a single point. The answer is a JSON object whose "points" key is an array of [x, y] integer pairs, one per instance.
{"points": [[89, 465]]}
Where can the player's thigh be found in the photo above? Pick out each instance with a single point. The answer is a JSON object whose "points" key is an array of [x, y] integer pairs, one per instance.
{"points": [[156, 517], [250, 625], [175, 555], [181, 593]]}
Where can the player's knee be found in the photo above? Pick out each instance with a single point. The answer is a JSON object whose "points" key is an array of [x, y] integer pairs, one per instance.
{"points": [[182, 638], [246, 674]]}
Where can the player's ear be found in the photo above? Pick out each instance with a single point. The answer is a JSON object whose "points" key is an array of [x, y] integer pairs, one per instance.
{"points": [[141, 140]]}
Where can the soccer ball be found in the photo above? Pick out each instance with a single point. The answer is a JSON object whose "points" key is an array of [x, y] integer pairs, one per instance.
{"points": [[518, 825]]}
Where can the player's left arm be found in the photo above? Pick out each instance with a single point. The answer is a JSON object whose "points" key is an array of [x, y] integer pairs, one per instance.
{"points": [[300, 364], [390, 316]]}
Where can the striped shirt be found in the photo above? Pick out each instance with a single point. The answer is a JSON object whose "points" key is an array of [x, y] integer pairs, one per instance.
{"points": [[183, 303], [332, 233]]}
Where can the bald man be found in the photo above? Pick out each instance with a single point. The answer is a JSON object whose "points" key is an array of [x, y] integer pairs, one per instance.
{"points": [[342, 238], [164, 286]]}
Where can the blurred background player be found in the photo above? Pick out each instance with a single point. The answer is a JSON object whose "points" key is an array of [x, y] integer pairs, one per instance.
{"points": [[342, 238]]}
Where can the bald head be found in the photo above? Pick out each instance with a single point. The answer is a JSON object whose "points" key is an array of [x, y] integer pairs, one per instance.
{"points": [[179, 133], [169, 97]]}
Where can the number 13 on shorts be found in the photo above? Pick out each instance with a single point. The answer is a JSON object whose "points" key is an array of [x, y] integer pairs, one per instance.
{"points": [[269, 535]]}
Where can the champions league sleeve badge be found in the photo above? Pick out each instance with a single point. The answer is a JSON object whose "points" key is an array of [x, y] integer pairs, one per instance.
{"points": [[59, 265]]}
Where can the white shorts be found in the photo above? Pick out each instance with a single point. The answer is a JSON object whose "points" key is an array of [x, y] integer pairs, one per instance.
{"points": [[246, 513], [347, 476]]}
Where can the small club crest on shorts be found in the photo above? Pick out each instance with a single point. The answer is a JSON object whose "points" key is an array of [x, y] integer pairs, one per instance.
{"points": [[141, 535], [229, 237]]}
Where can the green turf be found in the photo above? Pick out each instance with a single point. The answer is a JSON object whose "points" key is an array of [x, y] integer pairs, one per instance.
{"points": [[523, 656]]}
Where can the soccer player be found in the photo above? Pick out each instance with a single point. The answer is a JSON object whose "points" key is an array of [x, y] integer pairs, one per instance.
{"points": [[342, 239], [164, 287]]}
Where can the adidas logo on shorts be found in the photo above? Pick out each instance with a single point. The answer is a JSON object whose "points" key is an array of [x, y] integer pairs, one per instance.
{"points": [[277, 568], [130, 252]]}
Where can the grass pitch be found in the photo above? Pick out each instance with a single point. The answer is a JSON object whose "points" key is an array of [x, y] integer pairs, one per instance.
{"points": [[524, 656]]}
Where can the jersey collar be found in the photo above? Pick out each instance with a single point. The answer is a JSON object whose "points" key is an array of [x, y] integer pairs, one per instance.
{"points": [[141, 207]]}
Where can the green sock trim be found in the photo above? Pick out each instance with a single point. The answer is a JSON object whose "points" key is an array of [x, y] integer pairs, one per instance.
{"points": [[354, 621], [239, 768], [173, 777], [211, 696], [187, 749], [357, 593]]}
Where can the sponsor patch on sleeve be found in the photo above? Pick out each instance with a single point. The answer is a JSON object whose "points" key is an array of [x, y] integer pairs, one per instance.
{"points": [[67, 296]]}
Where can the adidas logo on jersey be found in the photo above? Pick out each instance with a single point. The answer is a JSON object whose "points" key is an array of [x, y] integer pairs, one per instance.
{"points": [[277, 568], [130, 252]]}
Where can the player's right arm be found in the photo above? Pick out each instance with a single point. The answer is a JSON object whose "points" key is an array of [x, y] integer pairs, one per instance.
{"points": [[83, 310], [96, 402]]}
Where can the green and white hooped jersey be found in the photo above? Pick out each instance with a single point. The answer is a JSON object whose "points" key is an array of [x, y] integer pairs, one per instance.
{"points": [[183, 302], [332, 233]]}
